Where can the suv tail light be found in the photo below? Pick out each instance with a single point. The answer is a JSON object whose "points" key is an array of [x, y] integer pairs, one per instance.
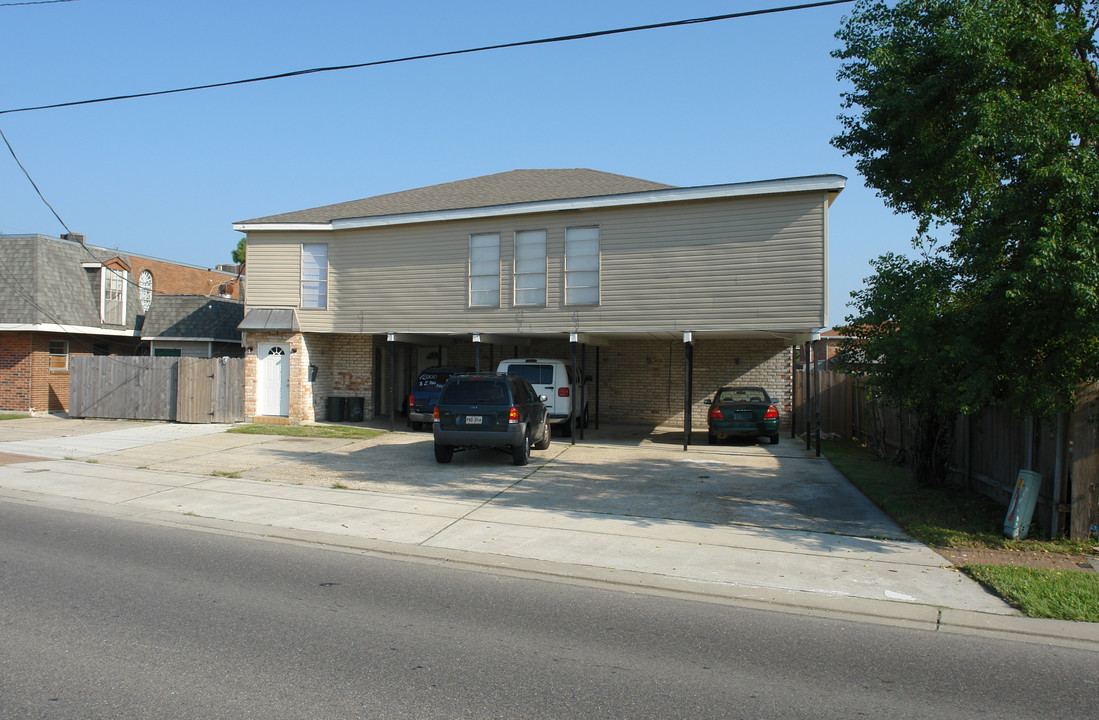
{"points": [[562, 392], [435, 414], [411, 400], [513, 415], [715, 413], [771, 413]]}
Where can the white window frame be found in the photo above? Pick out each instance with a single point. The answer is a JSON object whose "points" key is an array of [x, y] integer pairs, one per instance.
{"points": [[484, 270], [529, 268], [582, 267], [112, 295], [314, 277], [64, 355]]}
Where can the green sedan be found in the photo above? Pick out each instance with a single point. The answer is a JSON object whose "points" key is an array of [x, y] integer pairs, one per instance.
{"points": [[745, 412]]}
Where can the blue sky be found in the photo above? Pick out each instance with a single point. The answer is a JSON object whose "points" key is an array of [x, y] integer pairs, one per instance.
{"points": [[729, 101]]}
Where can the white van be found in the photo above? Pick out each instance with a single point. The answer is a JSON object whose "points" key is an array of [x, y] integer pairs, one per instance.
{"points": [[552, 378]]}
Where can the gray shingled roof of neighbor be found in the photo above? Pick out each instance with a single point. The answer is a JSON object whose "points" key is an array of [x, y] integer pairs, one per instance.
{"points": [[47, 283], [506, 188], [193, 316]]}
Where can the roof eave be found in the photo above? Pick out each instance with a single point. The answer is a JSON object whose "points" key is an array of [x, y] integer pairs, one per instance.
{"points": [[832, 184]]}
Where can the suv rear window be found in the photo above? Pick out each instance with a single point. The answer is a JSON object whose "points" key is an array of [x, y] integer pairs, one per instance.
{"points": [[475, 392]]}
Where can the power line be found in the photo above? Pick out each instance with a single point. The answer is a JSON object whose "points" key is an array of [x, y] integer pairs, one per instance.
{"points": [[35, 2], [32, 182], [447, 53]]}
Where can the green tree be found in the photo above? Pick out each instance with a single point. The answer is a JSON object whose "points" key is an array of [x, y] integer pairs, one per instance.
{"points": [[240, 251], [981, 118]]}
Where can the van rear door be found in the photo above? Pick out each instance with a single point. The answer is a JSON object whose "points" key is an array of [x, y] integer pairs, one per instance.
{"points": [[540, 376]]}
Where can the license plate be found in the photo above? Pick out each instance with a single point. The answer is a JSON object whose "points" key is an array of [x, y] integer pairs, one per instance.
{"points": [[743, 414], [473, 419]]}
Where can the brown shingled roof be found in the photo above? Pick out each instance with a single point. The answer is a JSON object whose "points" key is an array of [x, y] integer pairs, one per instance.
{"points": [[506, 188]]}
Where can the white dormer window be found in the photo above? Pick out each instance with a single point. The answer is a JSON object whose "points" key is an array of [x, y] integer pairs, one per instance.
{"points": [[112, 296]]}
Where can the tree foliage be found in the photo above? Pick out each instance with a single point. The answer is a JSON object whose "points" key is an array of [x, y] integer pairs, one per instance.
{"points": [[240, 251], [980, 118]]}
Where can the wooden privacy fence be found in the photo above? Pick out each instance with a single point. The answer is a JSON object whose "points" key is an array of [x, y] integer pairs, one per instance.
{"points": [[187, 390], [989, 448]]}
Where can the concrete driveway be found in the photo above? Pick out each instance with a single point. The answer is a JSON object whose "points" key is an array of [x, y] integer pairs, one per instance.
{"points": [[743, 520]]}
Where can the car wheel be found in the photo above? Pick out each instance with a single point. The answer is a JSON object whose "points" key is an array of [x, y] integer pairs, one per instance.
{"points": [[520, 454], [544, 443], [417, 426], [566, 427], [774, 439], [443, 453], [711, 439]]}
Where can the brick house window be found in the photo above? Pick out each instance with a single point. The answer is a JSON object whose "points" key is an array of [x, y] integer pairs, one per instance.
{"points": [[145, 283], [530, 268], [484, 270], [59, 355], [314, 276]]}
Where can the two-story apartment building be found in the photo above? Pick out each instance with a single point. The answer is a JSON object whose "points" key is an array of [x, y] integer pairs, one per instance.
{"points": [[61, 297], [662, 293]]}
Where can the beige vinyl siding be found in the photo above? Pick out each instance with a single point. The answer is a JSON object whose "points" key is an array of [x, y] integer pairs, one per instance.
{"points": [[726, 264], [274, 268]]}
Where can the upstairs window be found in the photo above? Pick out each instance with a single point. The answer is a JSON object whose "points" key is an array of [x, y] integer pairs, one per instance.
{"points": [[314, 276], [112, 300], [530, 268], [484, 270], [582, 266]]}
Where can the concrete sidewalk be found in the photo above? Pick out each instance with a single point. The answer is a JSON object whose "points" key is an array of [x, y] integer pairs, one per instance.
{"points": [[756, 525]]}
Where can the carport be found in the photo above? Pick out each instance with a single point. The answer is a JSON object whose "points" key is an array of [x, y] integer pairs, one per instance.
{"points": [[580, 344]]}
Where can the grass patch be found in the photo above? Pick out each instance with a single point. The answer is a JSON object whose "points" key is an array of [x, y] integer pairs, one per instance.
{"points": [[12, 416], [309, 431], [942, 517], [1040, 593], [226, 473], [339, 486]]}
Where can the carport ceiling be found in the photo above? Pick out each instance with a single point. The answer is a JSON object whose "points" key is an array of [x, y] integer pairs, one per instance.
{"points": [[789, 337]]}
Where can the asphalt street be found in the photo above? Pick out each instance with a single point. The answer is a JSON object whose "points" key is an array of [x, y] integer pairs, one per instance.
{"points": [[111, 619]]}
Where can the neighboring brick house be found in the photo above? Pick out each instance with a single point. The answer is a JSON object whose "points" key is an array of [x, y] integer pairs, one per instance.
{"points": [[60, 297], [662, 293]]}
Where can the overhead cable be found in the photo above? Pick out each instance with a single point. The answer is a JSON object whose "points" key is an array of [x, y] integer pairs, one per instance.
{"points": [[428, 56]]}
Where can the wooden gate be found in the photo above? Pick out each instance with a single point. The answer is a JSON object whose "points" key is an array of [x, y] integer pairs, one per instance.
{"points": [[211, 390], [189, 390]]}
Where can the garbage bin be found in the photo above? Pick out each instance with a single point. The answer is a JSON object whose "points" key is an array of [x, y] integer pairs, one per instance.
{"points": [[335, 409], [353, 410]]}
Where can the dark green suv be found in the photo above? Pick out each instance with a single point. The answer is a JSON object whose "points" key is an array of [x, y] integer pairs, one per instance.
{"points": [[490, 410]]}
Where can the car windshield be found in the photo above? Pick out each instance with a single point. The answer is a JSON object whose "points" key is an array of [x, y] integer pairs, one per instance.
{"points": [[741, 395], [474, 392]]}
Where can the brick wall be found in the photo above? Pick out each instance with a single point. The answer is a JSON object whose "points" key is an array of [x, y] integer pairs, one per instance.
{"points": [[172, 279], [15, 371], [345, 368]]}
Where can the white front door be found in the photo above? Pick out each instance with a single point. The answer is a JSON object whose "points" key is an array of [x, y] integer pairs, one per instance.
{"points": [[273, 380]]}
